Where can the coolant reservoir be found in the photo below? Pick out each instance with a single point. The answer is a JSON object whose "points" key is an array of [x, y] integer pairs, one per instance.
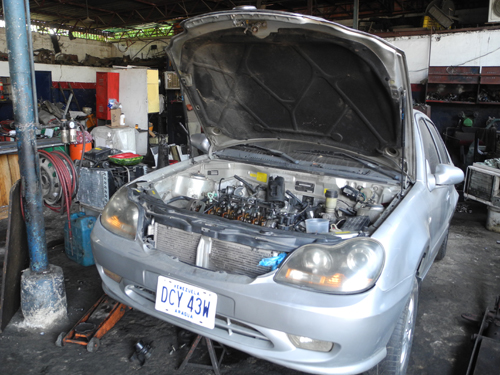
{"points": [[331, 201]]}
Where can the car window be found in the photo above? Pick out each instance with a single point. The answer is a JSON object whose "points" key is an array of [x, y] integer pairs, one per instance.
{"points": [[431, 153], [443, 154]]}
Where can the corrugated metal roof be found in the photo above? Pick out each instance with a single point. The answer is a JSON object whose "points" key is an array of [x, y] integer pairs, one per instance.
{"points": [[112, 15]]}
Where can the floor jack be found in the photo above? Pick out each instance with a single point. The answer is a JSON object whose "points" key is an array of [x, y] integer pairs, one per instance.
{"points": [[96, 322]]}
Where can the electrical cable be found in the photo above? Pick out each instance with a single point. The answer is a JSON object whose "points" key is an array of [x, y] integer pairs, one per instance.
{"points": [[180, 197], [147, 44], [128, 172], [465, 62]]}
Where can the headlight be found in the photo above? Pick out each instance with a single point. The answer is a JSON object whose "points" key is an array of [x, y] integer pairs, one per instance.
{"points": [[352, 266], [120, 215]]}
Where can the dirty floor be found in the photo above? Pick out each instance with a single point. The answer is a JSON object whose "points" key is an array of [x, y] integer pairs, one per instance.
{"points": [[466, 281]]}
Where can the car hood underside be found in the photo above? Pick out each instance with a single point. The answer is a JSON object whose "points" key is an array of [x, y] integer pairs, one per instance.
{"points": [[267, 75]]}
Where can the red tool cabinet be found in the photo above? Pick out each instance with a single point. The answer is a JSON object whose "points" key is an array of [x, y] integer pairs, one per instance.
{"points": [[107, 87]]}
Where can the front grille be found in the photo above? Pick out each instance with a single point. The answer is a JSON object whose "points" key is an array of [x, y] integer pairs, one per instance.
{"points": [[225, 327], [229, 257], [235, 327]]}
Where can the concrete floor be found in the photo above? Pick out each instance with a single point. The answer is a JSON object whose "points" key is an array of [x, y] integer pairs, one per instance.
{"points": [[466, 281]]}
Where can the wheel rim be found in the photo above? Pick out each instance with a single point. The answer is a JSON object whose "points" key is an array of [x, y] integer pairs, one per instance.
{"points": [[408, 334], [51, 188]]}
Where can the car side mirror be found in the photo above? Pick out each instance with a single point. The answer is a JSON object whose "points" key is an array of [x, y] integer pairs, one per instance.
{"points": [[200, 142], [446, 174]]}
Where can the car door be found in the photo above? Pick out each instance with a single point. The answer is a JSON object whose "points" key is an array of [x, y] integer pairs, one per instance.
{"points": [[438, 197], [447, 191]]}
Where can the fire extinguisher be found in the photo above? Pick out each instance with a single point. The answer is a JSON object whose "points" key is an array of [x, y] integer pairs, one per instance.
{"points": [[2, 97]]}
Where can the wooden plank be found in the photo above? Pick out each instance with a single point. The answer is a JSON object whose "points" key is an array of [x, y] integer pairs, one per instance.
{"points": [[454, 70], [490, 80], [15, 174], [16, 260], [5, 180], [4, 212], [490, 70]]}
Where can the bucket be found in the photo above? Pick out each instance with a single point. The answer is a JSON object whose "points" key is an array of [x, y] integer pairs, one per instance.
{"points": [[75, 151], [493, 219]]}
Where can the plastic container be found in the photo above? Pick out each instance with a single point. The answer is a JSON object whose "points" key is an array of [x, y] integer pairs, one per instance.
{"points": [[79, 249], [123, 137], [75, 150], [317, 226]]}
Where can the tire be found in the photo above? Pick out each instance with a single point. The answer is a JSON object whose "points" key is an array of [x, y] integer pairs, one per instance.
{"points": [[442, 250], [400, 343]]}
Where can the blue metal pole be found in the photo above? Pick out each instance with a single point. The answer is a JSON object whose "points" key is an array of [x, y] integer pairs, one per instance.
{"points": [[22, 98]]}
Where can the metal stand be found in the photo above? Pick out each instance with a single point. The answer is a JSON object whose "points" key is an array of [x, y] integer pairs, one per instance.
{"points": [[211, 351], [485, 359]]}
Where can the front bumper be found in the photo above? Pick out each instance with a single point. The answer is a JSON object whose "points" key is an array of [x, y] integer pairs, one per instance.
{"points": [[255, 316]]}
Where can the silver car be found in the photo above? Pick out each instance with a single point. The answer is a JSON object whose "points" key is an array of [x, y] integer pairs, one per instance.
{"points": [[320, 201]]}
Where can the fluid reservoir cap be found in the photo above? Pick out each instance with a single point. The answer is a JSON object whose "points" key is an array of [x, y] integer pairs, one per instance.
{"points": [[331, 194]]}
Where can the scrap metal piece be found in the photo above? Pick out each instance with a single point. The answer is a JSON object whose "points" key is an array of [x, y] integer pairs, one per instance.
{"points": [[142, 352], [485, 358]]}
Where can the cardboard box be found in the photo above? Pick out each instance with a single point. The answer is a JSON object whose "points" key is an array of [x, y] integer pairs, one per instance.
{"points": [[115, 117]]}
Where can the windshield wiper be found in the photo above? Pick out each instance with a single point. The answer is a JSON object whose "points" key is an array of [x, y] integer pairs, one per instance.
{"points": [[372, 166], [273, 152]]}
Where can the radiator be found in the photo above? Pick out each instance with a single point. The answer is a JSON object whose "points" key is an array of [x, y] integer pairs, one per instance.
{"points": [[211, 253]]}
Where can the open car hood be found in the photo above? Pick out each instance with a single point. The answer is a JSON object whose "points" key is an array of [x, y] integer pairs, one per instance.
{"points": [[259, 75]]}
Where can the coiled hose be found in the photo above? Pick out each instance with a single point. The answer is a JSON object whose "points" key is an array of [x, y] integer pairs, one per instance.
{"points": [[68, 180]]}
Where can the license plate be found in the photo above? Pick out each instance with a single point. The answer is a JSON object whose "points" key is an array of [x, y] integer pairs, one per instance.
{"points": [[186, 302]]}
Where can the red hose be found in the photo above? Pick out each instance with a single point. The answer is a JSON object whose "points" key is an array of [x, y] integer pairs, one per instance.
{"points": [[66, 174]]}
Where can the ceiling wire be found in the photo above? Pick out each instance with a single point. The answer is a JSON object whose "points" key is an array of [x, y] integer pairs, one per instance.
{"points": [[465, 62]]}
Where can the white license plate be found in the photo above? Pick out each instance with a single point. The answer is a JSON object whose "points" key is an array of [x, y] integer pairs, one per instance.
{"points": [[186, 301]]}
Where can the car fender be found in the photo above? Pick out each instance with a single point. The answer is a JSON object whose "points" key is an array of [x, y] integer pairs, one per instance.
{"points": [[405, 235]]}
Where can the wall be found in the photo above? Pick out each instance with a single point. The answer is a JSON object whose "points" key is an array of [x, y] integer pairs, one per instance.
{"points": [[471, 48], [64, 73], [141, 49], [79, 47]]}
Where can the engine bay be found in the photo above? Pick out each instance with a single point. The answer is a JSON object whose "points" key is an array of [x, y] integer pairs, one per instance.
{"points": [[276, 198]]}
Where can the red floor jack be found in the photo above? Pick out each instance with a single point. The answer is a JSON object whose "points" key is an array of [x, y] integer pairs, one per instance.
{"points": [[88, 331]]}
